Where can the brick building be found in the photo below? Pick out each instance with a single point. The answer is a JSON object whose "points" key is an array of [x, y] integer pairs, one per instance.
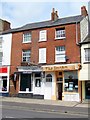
{"points": [[45, 59]]}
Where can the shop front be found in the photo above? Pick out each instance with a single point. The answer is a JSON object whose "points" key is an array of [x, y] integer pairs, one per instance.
{"points": [[87, 90], [29, 82], [4, 81], [65, 84], [84, 77]]}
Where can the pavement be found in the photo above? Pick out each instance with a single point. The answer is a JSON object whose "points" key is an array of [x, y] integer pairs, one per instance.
{"points": [[85, 103]]}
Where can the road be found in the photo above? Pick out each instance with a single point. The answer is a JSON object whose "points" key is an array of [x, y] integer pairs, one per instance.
{"points": [[26, 110]]}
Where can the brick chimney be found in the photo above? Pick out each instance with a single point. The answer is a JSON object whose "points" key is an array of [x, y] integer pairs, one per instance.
{"points": [[84, 11], [4, 25], [54, 15]]}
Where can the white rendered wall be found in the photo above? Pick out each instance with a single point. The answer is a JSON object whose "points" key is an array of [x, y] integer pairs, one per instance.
{"points": [[84, 73], [6, 46], [84, 28]]}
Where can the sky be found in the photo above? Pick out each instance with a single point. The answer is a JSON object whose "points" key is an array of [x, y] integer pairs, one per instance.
{"points": [[21, 12]]}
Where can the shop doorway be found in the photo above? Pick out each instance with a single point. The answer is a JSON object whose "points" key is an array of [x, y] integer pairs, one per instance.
{"points": [[25, 83], [87, 89], [59, 85]]}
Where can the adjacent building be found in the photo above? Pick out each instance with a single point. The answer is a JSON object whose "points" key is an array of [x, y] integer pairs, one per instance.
{"points": [[84, 75], [5, 52]]}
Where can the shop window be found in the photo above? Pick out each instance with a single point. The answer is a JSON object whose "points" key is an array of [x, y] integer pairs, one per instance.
{"points": [[71, 82], [3, 83], [38, 79], [38, 83], [49, 78], [71, 86]]}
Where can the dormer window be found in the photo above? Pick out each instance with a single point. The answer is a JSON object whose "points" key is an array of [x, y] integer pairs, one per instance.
{"points": [[60, 33]]}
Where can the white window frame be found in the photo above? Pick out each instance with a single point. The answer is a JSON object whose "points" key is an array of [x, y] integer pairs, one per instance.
{"points": [[42, 55], [1, 84], [27, 36], [42, 35], [59, 33], [27, 51], [86, 55], [60, 55]]}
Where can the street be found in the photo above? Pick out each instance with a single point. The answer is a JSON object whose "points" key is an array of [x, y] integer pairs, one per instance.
{"points": [[28, 110]]}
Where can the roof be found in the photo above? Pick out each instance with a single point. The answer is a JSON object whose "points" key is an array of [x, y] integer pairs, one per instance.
{"points": [[50, 23], [86, 40]]}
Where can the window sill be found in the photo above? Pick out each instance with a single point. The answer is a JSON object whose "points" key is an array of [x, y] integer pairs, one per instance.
{"points": [[60, 38], [42, 63], [26, 42], [42, 40], [60, 61]]}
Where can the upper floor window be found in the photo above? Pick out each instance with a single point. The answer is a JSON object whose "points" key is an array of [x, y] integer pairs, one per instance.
{"points": [[87, 54], [26, 54], [60, 33], [26, 37], [60, 54], [42, 35], [42, 55]]}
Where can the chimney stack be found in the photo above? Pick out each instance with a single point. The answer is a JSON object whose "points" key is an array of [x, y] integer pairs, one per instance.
{"points": [[84, 11], [54, 15]]}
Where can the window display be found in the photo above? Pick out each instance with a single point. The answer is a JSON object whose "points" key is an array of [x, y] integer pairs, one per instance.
{"points": [[3, 83], [71, 81]]}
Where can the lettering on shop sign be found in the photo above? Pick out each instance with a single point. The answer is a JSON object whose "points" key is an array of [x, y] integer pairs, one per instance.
{"points": [[55, 68]]}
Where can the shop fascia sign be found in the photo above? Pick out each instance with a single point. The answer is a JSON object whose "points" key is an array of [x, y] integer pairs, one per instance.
{"points": [[3, 70], [63, 67], [30, 69]]}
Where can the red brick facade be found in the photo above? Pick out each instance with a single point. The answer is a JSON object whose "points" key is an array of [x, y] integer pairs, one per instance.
{"points": [[72, 33], [72, 49]]}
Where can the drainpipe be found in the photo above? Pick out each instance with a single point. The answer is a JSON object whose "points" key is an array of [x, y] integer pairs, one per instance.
{"points": [[76, 34]]}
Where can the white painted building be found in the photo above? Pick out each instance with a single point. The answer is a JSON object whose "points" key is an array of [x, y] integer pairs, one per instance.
{"points": [[84, 74], [5, 60]]}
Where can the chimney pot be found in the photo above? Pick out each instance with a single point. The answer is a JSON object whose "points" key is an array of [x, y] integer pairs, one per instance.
{"points": [[54, 15], [83, 11], [53, 10]]}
